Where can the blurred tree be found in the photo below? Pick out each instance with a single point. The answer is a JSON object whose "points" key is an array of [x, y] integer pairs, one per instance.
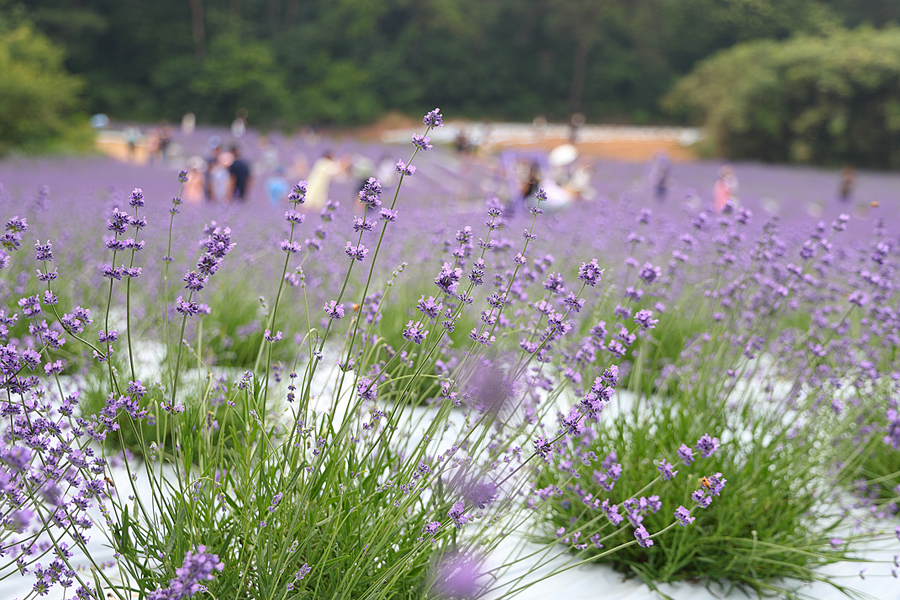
{"points": [[198, 28], [827, 100], [876, 13], [579, 20], [239, 73], [610, 59], [39, 103]]}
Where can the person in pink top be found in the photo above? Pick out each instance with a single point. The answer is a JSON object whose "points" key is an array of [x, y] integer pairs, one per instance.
{"points": [[725, 189]]}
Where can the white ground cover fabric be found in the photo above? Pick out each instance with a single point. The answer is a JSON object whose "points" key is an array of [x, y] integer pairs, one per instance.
{"points": [[583, 582]]}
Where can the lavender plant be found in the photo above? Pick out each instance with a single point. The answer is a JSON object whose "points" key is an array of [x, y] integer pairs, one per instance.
{"points": [[784, 371], [320, 468]]}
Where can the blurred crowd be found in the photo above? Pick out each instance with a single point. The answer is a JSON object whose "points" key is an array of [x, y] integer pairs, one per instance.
{"points": [[239, 165]]}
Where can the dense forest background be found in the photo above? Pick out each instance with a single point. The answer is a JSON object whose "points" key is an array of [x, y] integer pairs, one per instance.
{"points": [[347, 62], [815, 81]]}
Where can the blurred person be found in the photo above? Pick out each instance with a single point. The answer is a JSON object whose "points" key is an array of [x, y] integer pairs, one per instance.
{"points": [[531, 180], [277, 186], [241, 179], [576, 121], [195, 187], [211, 160], [848, 179], [319, 185], [268, 154], [386, 171], [132, 137], [580, 181], [188, 123], [659, 176], [538, 128], [220, 178], [562, 160], [153, 139], [462, 142], [725, 189], [527, 180], [239, 125], [165, 141]]}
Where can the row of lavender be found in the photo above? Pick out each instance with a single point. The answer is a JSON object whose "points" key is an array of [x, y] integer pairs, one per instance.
{"points": [[468, 393]]}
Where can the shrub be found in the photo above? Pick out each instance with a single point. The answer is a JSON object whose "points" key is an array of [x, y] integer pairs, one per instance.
{"points": [[825, 100], [39, 100]]}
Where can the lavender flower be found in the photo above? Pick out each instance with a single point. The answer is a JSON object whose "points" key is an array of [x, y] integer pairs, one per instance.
{"points": [[457, 514], [667, 470], [415, 332], [405, 169], [448, 279], [686, 455], [197, 567], [298, 193], [367, 389], [684, 516], [590, 273], [356, 252], [650, 273], [370, 194], [644, 318], [542, 448], [422, 142], [431, 528], [334, 310], [643, 538], [707, 445], [434, 118]]}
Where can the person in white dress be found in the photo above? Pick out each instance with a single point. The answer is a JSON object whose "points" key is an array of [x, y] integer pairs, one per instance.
{"points": [[319, 184]]}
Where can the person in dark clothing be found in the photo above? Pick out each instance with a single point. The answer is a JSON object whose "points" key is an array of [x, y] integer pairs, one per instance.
{"points": [[240, 176], [848, 177]]}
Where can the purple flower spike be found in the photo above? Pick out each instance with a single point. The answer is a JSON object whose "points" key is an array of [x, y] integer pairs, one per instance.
{"points": [[542, 448], [684, 516], [422, 142], [643, 537], [667, 470], [356, 252], [415, 332], [644, 318], [197, 567], [590, 273], [434, 118], [707, 445], [405, 169], [137, 198], [366, 389], [432, 528], [457, 514], [298, 193], [686, 455], [334, 310]]}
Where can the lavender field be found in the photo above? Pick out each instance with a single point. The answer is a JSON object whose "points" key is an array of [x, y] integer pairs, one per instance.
{"points": [[433, 389]]}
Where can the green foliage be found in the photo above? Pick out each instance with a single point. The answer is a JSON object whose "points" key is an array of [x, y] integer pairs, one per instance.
{"points": [[344, 62], [825, 100], [39, 104], [767, 523], [338, 91], [208, 415], [239, 73]]}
